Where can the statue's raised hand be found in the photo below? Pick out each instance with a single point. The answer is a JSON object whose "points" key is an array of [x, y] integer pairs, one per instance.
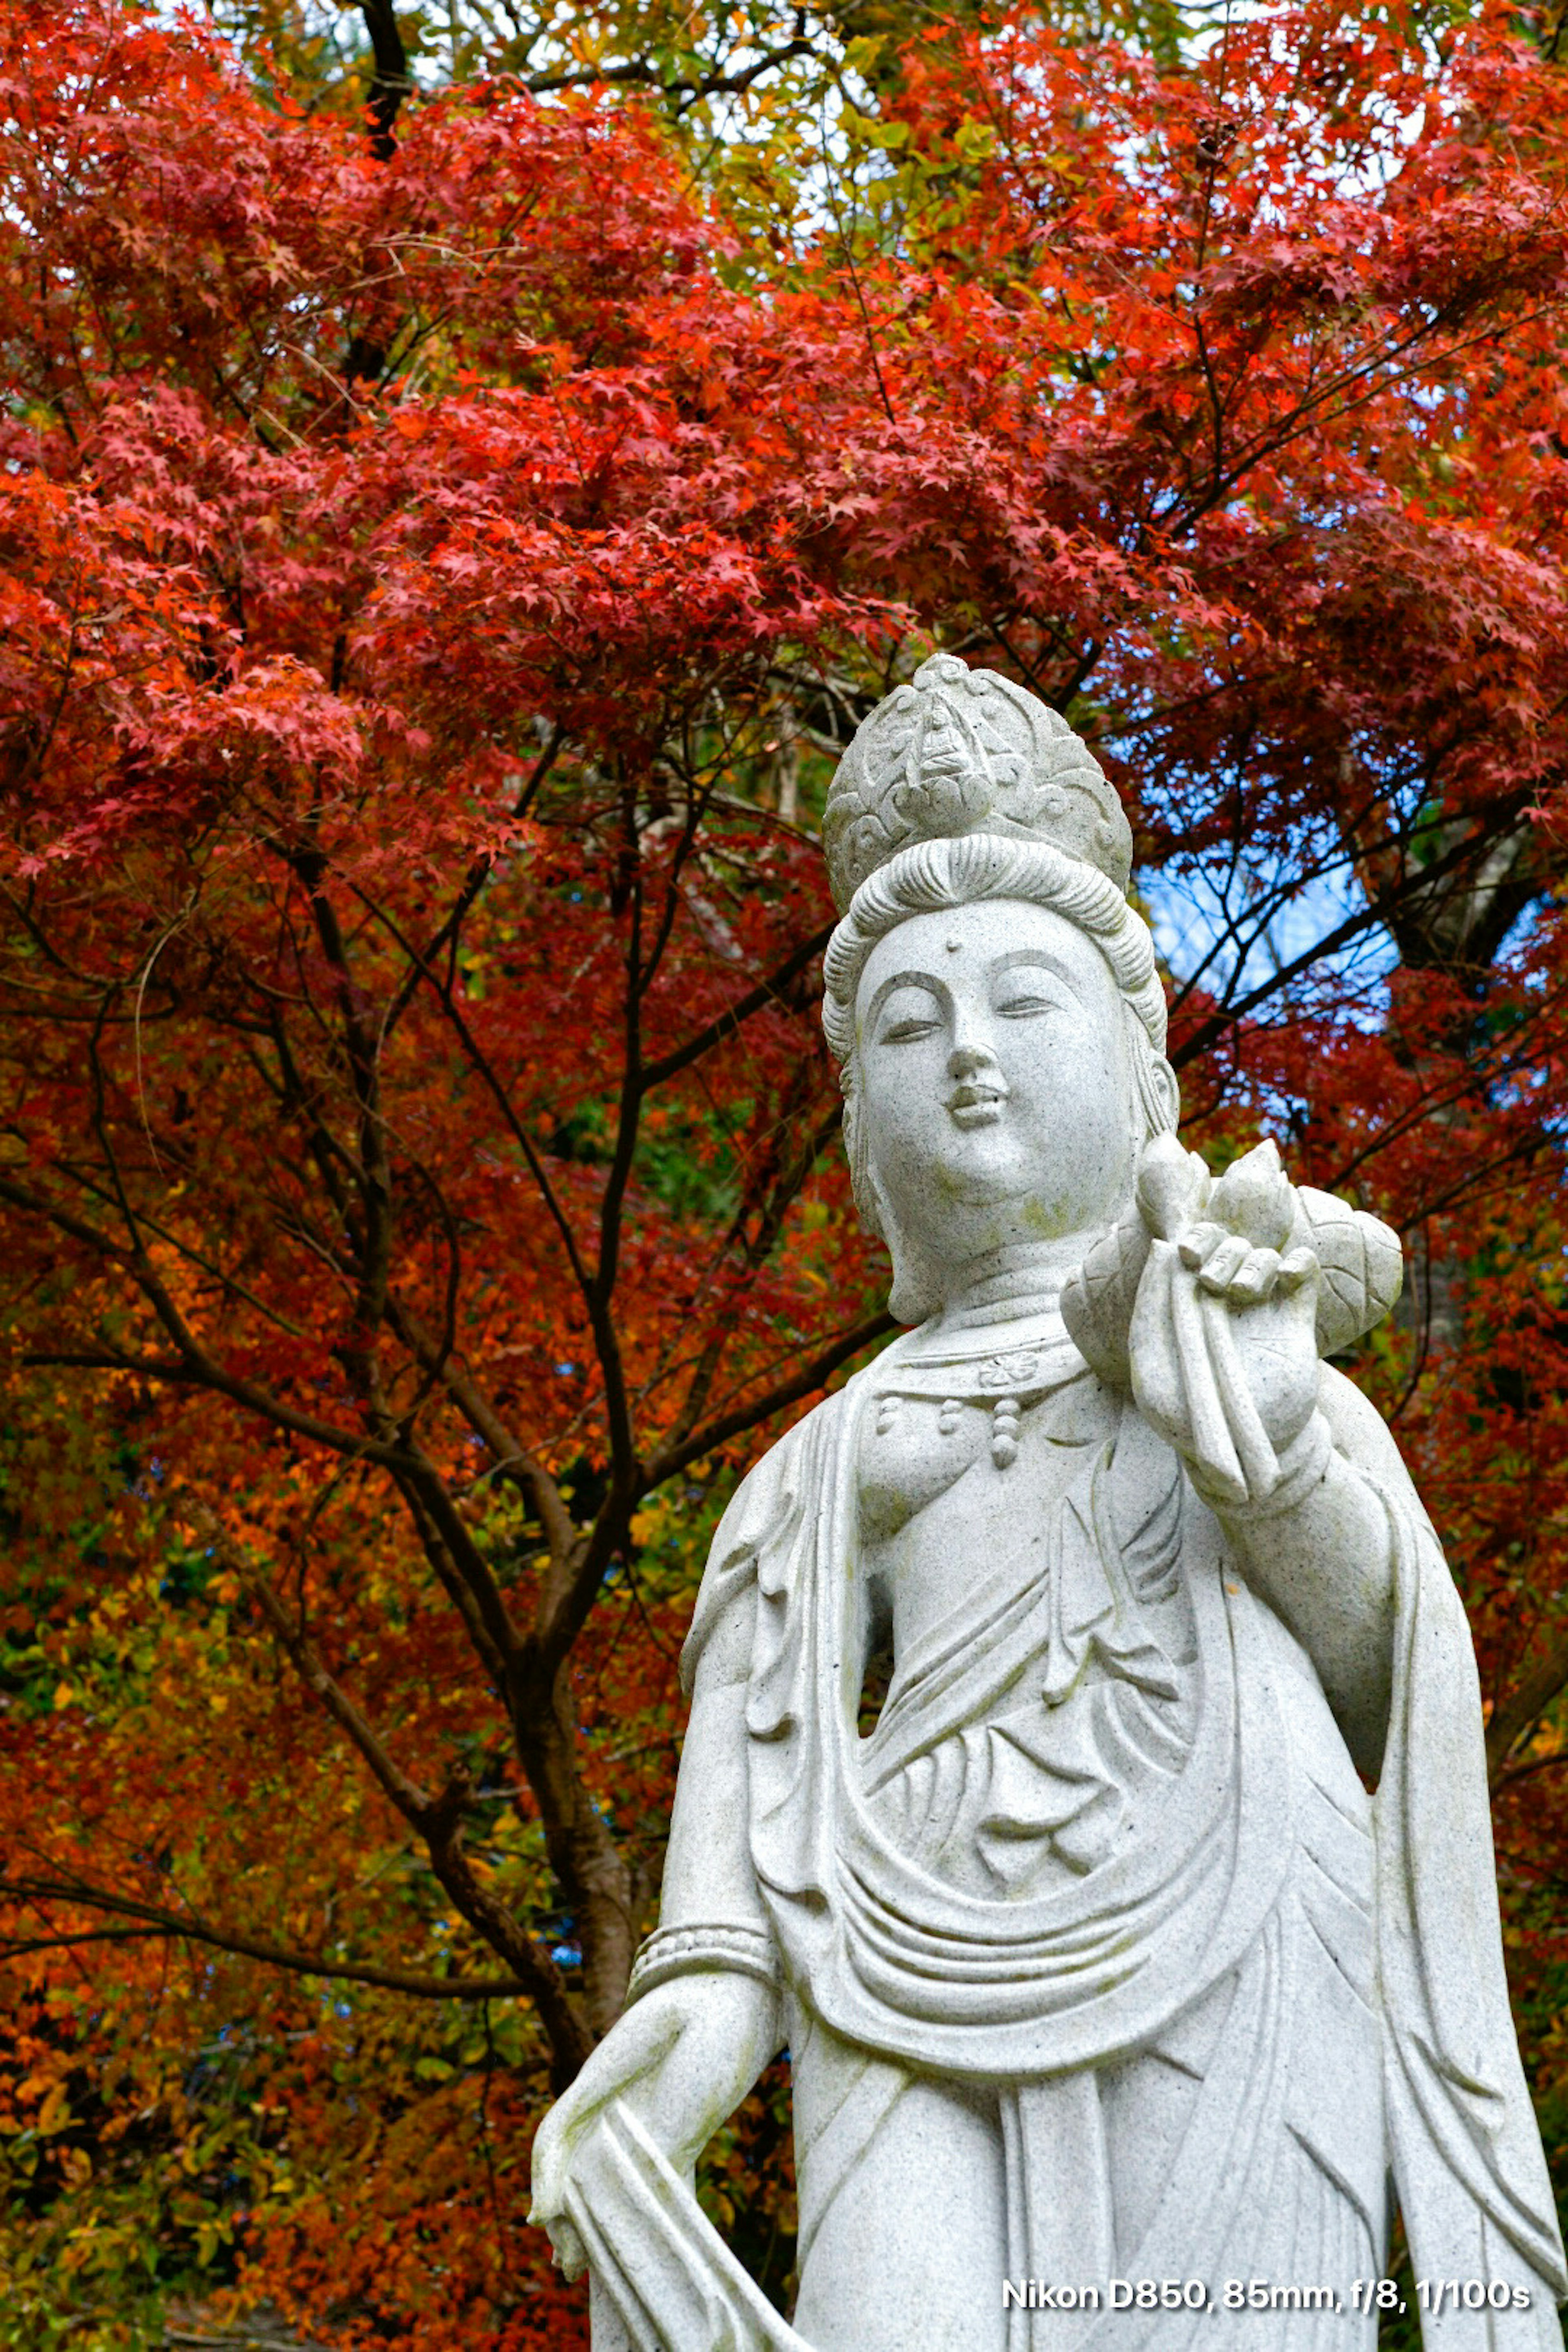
{"points": [[1222, 1346], [1248, 1243]]}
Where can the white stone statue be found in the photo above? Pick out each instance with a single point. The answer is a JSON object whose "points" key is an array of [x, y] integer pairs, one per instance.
{"points": [[1107, 1984]]}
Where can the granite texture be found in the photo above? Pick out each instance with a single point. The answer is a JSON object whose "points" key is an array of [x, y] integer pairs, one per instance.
{"points": [[1147, 1941]]}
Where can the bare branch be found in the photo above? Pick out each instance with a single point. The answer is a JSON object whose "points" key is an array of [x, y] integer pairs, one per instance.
{"points": [[160, 1924], [1518, 1716], [1376, 911], [725, 1024], [819, 1368], [437, 1819]]}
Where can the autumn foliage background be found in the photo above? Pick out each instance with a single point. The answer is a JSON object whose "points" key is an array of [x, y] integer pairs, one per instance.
{"points": [[461, 479]]}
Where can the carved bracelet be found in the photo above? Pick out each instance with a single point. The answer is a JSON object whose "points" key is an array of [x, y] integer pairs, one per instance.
{"points": [[674, 1951]]}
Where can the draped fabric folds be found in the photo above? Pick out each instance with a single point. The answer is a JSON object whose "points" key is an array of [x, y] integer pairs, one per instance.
{"points": [[897, 1957], [1156, 1821]]}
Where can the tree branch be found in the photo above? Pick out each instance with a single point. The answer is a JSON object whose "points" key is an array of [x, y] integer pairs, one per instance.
{"points": [[642, 73], [160, 1925], [1376, 911], [437, 1819], [766, 991], [1519, 1716], [726, 1425], [510, 1456]]}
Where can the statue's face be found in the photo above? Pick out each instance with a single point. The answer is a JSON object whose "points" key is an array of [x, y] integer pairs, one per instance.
{"points": [[994, 1077]]}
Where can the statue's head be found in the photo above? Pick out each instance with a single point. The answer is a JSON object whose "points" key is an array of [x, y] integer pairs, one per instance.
{"points": [[992, 998]]}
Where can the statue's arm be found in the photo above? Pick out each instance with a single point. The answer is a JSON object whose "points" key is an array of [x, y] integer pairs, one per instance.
{"points": [[707, 1873], [709, 1974], [1325, 1562], [689, 2046], [1221, 1351]]}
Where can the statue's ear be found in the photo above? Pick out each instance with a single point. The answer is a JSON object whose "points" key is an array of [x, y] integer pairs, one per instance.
{"points": [[1167, 1094], [915, 1294], [1159, 1097], [914, 1297], [869, 1202]]}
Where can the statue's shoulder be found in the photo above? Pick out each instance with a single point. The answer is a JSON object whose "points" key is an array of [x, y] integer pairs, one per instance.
{"points": [[772, 1483], [762, 1519]]}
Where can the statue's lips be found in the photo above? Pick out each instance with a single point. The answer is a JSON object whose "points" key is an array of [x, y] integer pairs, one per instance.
{"points": [[977, 1106]]}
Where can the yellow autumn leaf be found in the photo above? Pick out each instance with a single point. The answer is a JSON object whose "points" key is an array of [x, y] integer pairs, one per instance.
{"points": [[55, 2113]]}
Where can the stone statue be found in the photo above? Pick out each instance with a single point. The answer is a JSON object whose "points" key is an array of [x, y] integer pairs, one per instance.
{"points": [[1106, 1983]]}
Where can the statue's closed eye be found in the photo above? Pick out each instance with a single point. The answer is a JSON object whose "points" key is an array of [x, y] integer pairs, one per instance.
{"points": [[1029, 1005], [908, 1012]]}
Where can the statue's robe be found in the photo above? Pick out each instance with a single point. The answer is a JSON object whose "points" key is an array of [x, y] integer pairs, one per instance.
{"points": [[1104, 1874]]}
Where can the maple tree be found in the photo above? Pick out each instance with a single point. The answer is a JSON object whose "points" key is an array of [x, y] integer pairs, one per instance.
{"points": [[444, 550]]}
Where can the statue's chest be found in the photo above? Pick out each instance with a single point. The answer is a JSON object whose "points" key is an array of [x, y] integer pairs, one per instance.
{"points": [[1017, 1575], [966, 1446]]}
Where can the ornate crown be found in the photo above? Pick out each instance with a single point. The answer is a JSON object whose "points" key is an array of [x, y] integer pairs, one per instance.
{"points": [[964, 750]]}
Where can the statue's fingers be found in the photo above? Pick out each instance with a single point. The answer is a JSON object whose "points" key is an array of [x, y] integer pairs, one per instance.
{"points": [[1298, 1266], [1254, 1280], [1223, 1263], [570, 2252], [1199, 1243]]}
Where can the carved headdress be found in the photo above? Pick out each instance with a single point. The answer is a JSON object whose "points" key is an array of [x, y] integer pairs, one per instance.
{"points": [[962, 785], [961, 751]]}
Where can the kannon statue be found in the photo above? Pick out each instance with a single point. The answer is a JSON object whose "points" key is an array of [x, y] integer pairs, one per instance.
{"points": [[1149, 1933]]}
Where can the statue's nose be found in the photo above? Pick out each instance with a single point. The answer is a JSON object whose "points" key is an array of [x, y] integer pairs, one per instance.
{"points": [[969, 1057]]}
